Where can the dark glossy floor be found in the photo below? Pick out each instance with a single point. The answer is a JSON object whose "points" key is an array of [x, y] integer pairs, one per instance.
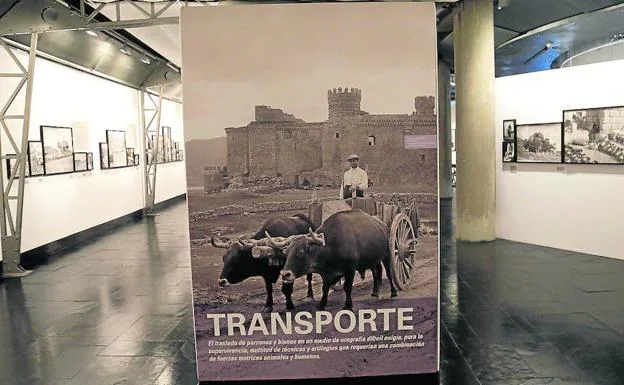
{"points": [[118, 311]]}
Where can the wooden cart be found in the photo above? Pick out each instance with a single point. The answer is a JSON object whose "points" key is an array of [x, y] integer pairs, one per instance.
{"points": [[402, 221]]}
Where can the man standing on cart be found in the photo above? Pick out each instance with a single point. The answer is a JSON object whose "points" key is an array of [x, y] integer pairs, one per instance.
{"points": [[355, 179]]}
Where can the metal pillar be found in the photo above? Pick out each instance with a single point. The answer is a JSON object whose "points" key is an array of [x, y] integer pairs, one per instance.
{"points": [[11, 225], [152, 160]]}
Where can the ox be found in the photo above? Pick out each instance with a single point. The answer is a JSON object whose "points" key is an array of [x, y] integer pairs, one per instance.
{"points": [[347, 242], [238, 263]]}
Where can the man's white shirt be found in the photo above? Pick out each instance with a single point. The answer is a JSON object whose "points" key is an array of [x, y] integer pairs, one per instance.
{"points": [[355, 177]]}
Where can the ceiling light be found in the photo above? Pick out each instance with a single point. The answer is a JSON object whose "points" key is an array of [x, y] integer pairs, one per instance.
{"points": [[92, 33], [145, 60], [503, 4]]}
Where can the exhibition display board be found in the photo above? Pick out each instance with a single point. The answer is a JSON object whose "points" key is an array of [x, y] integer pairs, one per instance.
{"points": [[569, 145], [314, 243]]}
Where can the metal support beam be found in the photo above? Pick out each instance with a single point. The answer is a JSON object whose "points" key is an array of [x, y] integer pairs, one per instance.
{"points": [[150, 122], [11, 223], [29, 16]]}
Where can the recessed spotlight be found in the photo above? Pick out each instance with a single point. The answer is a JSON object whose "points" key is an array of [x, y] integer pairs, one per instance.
{"points": [[92, 33], [145, 60]]}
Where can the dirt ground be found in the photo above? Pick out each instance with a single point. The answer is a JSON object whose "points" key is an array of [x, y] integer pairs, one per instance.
{"points": [[207, 260]]}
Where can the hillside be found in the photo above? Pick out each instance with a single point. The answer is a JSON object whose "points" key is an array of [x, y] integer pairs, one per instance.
{"points": [[204, 152]]}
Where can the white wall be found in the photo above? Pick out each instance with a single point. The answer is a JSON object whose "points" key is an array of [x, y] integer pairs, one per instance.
{"points": [[571, 207], [61, 205]]}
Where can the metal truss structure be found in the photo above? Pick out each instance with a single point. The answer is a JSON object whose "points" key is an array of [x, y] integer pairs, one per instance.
{"points": [[151, 114], [11, 221]]}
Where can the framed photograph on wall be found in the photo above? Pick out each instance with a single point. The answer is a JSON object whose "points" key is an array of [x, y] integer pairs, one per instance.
{"points": [[89, 161], [103, 156], [509, 151], [538, 143], [80, 161], [130, 156], [58, 150], [594, 135], [116, 148], [509, 130], [10, 165], [137, 159], [35, 157]]}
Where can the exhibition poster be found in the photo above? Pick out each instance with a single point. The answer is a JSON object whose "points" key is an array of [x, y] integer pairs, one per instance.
{"points": [[312, 174]]}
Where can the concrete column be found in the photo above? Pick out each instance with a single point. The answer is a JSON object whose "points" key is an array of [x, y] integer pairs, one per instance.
{"points": [[475, 135], [444, 130]]}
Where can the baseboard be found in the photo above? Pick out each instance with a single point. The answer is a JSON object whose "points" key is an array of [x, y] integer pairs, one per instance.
{"points": [[170, 202], [43, 254]]}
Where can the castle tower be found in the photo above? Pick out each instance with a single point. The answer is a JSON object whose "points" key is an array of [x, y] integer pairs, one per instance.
{"points": [[424, 106], [343, 103]]}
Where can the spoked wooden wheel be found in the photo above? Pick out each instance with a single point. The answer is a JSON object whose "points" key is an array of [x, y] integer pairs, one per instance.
{"points": [[403, 243]]}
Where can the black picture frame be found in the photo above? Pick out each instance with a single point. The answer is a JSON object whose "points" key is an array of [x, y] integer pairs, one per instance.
{"points": [[103, 155], [507, 124], [599, 145], [10, 164], [554, 132], [130, 156], [119, 158], [89, 161], [511, 146], [47, 132], [35, 158], [80, 162]]}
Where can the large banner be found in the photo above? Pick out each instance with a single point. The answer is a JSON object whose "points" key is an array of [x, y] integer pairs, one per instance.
{"points": [[312, 172]]}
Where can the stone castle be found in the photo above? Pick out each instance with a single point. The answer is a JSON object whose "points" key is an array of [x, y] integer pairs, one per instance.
{"points": [[279, 144]]}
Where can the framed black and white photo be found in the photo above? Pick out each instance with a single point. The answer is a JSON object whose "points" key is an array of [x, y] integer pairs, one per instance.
{"points": [[89, 161], [538, 143], [166, 134], [35, 157], [509, 129], [130, 156], [116, 141], [137, 159], [80, 161], [509, 151], [58, 150], [103, 156], [10, 165], [594, 135]]}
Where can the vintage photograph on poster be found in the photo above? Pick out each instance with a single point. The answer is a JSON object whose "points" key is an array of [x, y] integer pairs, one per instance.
{"points": [[538, 143], [312, 189], [509, 130], [80, 161], [594, 135], [35, 158], [116, 141], [58, 150], [509, 152], [103, 156]]}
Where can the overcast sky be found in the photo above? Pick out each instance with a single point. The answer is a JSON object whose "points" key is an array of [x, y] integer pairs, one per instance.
{"points": [[288, 55]]}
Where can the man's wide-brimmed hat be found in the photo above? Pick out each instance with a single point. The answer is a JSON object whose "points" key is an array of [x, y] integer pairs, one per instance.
{"points": [[353, 156]]}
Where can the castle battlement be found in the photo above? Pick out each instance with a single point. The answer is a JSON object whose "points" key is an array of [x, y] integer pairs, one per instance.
{"points": [[425, 105], [346, 90]]}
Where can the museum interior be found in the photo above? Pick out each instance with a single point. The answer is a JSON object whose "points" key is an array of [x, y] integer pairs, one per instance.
{"points": [[95, 266]]}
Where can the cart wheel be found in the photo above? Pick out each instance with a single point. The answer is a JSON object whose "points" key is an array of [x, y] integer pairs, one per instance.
{"points": [[403, 245]]}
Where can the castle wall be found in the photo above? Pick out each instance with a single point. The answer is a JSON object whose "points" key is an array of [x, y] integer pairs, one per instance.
{"points": [[262, 150], [299, 148], [237, 159], [268, 114], [612, 119]]}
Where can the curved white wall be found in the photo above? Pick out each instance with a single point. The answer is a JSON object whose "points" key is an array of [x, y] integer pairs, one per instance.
{"points": [[61, 205], [571, 207]]}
